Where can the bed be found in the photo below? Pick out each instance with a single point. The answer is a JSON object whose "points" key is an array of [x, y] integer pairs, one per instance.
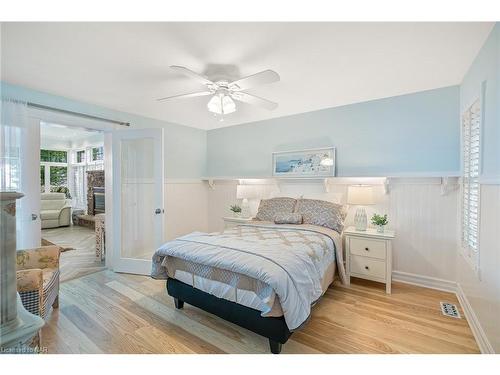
{"points": [[262, 276]]}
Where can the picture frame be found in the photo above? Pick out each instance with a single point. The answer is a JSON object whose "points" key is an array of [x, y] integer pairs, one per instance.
{"points": [[310, 163]]}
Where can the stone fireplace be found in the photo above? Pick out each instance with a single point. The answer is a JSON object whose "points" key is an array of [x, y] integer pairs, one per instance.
{"points": [[95, 186]]}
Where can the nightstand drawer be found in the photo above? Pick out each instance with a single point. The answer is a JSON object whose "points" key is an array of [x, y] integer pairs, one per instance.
{"points": [[367, 266], [367, 248]]}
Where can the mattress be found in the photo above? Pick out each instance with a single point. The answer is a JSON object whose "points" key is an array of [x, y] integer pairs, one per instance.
{"points": [[232, 286]]}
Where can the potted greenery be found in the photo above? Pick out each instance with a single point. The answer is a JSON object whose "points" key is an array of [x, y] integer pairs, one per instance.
{"points": [[236, 210], [380, 222]]}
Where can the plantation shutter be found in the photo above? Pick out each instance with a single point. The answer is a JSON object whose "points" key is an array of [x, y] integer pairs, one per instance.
{"points": [[471, 133]]}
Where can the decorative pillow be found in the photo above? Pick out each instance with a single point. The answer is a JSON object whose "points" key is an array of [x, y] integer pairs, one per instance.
{"points": [[268, 208], [323, 213], [293, 218]]}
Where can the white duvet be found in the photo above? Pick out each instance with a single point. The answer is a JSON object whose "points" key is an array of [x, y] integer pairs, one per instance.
{"points": [[289, 258]]}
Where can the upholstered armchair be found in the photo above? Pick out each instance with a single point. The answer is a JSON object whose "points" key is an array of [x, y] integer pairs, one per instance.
{"points": [[38, 279], [55, 210]]}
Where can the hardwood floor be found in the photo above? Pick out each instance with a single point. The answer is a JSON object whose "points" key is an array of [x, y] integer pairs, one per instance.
{"points": [[106, 312], [80, 261]]}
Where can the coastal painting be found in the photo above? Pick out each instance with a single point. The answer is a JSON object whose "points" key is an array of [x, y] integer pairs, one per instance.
{"points": [[306, 163]]}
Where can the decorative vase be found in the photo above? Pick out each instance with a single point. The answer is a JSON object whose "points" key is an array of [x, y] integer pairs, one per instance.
{"points": [[360, 219], [380, 228]]}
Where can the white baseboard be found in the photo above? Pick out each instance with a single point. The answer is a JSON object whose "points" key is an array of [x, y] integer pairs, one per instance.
{"points": [[475, 326], [425, 281], [452, 287]]}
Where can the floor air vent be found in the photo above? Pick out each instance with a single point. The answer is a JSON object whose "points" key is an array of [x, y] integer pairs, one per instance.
{"points": [[449, 309]]}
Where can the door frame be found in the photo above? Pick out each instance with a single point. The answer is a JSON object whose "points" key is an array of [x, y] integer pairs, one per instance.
{"points": [[37, 115]]}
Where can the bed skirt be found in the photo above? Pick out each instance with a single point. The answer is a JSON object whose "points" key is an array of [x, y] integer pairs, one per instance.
{"points": [[274, 328]]}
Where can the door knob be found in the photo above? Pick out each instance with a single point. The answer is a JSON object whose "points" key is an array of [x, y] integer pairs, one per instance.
{"points": [[158, 211], [34, 217]]}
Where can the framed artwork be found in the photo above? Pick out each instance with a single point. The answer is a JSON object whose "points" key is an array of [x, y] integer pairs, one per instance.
{"points": [[319, 162]]}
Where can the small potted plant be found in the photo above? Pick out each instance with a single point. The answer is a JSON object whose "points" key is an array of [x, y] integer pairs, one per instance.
{"points": [[235, 209], [380, 222]]}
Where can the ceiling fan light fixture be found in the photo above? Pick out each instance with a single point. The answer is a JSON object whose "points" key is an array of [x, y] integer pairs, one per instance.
{"points": [[228, 104], [221, 104]]}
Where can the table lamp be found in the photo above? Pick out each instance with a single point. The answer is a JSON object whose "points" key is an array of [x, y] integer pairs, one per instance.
{"points": [[246, 192], [360, 195]]}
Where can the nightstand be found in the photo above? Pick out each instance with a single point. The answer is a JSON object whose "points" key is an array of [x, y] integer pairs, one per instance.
{"points": [[369, 255], [232, 221]]}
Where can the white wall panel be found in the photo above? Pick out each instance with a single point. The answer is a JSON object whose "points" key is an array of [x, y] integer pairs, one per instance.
{"points": [[426, 225], [483, 290], [186, 207]]}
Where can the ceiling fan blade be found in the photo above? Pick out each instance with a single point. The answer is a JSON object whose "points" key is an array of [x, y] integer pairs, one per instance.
{"points": [[261, 78], [254, 100], [191, 95], [192, 74]]}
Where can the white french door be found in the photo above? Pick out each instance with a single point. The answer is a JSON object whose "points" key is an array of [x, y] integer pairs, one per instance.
{"points": [[19, 168], [138, 213]]}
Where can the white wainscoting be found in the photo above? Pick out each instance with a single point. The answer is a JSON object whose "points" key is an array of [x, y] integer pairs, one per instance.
{"points": [[425, 220], [186, 207], [479, 293]]}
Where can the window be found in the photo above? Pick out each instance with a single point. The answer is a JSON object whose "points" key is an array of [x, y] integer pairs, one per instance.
{"points": [[53, 169], [97, 153], [80, 156], [54, 156], [471, 151], [42, 178], [58, 176]]}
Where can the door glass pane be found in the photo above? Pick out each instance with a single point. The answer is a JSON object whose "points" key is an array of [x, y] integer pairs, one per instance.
{"points": [[138, 198]]}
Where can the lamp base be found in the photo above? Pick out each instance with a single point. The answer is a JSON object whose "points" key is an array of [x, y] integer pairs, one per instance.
{"points": [[245, 209], [360, 219]]}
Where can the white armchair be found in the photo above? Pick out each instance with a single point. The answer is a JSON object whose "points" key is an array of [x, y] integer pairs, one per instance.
{"points": [[55, 210]]}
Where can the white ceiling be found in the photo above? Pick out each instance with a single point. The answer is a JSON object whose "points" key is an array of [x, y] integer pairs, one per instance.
{"points": [[124, 66], [68, 134]]}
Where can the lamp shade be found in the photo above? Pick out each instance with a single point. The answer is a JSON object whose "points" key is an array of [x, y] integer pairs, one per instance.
{"points": [[221, 104], [247, 192], [360, 195]]}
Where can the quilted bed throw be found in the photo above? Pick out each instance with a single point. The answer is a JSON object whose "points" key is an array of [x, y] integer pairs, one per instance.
{"points": [[291, 259]]}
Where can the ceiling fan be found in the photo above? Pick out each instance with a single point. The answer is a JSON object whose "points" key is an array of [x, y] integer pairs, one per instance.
{"points": [[223, 92]]}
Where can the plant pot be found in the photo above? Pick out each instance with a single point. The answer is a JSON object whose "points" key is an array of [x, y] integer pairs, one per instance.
{"points": [[236, 214], [380, 228]]}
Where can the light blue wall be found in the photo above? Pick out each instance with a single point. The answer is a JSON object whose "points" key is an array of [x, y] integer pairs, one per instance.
{"points": [[404, 135], [486, 68], [185, 147]]}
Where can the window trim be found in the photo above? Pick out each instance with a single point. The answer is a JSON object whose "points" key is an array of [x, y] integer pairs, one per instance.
{"points": [[471, 256]]}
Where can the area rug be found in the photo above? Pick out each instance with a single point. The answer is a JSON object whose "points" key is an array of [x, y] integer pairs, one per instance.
{"points": [[63, 249]]}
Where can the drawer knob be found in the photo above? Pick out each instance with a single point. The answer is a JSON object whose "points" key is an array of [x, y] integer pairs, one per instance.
{"points": [[367, 249], [367, 268]]}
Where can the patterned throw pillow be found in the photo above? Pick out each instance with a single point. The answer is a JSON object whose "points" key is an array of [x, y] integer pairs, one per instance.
{"points": [[323, 213], [268, 208], [293, 218]]}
